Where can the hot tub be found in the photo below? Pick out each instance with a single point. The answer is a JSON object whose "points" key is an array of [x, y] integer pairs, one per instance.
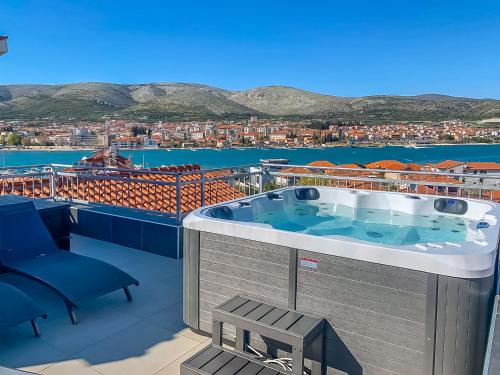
{"points": [[405, 281]]}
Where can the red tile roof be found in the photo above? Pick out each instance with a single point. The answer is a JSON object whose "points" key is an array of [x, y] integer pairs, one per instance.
{"points": [[298, 170], [107, 158], [437, 179], [360, 172], [321, 163], [446, 164], [387, 164], [349, 166], [483, 165], [413, 167], [146, 190]]}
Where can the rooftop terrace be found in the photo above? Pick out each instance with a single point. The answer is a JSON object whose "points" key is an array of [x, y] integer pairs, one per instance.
{"points": [[146, 336]]}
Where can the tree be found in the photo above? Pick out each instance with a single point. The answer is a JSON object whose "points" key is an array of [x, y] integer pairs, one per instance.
{"points": [[138, 130], [14, 139]]}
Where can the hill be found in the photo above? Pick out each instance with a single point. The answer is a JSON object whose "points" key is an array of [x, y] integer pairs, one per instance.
{"points": [[186, 101]]}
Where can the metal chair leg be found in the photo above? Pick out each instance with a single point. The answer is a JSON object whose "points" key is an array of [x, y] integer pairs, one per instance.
{"points": [[127, 294], [71, 313], [36, 330]]}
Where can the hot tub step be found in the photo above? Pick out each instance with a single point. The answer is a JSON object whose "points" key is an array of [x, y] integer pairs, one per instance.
{"points": [[215, 359], [286, 326]]}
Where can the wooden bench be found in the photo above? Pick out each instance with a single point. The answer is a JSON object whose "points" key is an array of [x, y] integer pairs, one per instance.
{"points": [[289, 327]]}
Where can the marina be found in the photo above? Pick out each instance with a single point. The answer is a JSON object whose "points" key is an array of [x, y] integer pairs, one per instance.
{"points": [[216, 158]]}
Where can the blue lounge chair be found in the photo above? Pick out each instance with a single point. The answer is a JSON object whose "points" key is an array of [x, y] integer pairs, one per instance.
{"points": [[17, 307], [26, 248]]}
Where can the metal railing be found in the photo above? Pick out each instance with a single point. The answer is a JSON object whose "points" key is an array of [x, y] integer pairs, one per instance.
{"points": [[178, 192], [175, 192], [482, 186]]}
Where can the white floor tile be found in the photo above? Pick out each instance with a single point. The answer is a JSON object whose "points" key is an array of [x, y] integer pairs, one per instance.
{"points": [[95, 324], [140, 349], [70, 367], [20, 349], [143, 337], [171, 319], [175, 367]]}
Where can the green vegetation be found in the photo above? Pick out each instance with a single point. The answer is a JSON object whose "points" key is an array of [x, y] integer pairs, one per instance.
{"points": [[14, 139], [181, 102]]}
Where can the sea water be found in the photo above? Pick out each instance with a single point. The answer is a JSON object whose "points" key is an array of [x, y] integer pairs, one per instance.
{"points": [[210, 158]]}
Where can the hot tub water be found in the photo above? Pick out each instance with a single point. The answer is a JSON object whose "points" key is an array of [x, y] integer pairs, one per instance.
{"points": [[373, 225]]}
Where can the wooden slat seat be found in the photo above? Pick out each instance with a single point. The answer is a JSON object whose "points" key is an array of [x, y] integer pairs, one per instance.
{"points": [[286, 326], [277, 323], [214, 359]]}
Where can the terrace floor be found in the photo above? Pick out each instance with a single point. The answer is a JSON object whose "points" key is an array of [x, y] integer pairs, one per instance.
{"points": [[146, 336]]}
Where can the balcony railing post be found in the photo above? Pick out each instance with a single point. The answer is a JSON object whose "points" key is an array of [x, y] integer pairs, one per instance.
{"points": [[202, 190], [263, 170], [178, 201], [52, 181]]}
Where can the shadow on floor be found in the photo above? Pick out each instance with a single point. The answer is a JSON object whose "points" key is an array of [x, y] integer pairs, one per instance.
{"points": [[113, 336]]}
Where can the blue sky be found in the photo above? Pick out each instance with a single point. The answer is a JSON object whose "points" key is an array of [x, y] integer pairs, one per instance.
{"points": [[348, 48]]}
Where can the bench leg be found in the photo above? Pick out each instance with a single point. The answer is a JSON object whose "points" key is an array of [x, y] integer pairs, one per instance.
{"points": [[241, 339], [319, 367], [297, 361], [36, 330], [127, 294], [71, 313], [217, 333]]}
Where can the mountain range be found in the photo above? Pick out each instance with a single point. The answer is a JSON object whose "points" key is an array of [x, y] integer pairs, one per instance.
{"points": [[187, 101]]}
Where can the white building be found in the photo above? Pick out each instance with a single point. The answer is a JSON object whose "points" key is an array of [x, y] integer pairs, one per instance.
{"points": [[480, 170], [449, 166], [124, 143], [197, 135], [149, 143]]}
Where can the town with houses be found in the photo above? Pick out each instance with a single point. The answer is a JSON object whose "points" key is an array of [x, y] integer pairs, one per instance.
{"points": [[253, 132]]}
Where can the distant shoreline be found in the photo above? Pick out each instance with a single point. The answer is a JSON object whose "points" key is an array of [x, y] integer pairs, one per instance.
{"points": [[216, 158], [47, 149], [89, 149]]}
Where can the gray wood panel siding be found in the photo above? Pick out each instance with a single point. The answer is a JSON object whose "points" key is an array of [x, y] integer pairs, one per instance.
{"points": [[230, 266], [191, 277], [463, 312], [381, 320], [494, 365], [376, 313]]}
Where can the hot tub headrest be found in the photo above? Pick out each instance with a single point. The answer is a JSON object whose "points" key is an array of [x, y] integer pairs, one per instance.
{"points": [[222, 212], [307, 194], [451, 206], [274, 196]]}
